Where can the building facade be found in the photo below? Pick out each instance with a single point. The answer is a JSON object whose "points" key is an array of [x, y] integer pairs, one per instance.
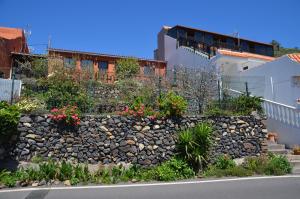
{"points": [[195, 48], [103, 66], [11, 40]]}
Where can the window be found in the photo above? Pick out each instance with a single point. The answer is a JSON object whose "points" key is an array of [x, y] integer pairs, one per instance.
{"points": [[86, 64], [198, 36], [244, 46], [208, 39], [69, 62], [1, 74], [103, 66], [149, 70], [296, 81], [181, 33], [245, 68]]}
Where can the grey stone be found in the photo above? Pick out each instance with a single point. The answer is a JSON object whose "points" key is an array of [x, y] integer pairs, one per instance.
{"points": [[25, 119]]}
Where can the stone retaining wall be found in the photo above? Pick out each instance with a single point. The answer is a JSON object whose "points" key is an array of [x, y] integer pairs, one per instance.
{"points": [[114, 139]]}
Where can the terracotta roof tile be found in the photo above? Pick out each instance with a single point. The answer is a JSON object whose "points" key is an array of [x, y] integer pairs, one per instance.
{"points": [[245, 55], [295, 57], [10, 33]]}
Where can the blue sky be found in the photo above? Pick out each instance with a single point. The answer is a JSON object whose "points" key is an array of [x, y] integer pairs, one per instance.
{"points": [[130, 27]]}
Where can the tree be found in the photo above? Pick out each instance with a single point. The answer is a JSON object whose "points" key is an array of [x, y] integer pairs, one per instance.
{"points": [[276, 44], [197, 85], [127, 68]]}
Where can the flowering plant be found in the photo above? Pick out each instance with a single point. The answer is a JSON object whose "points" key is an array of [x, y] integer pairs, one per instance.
{"points": [[139, 109], [67, 114]]}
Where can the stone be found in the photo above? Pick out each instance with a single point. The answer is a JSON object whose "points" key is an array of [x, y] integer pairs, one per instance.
{"points": [[103, 128], [155, 147], [141, 146], [156, 127], [31, 136], [70, 140], [25, 152], [232, 127], [264, 130], [35, 184], [25, 119], [224, 125], [27, 124], [42, 182], [146, 128], [131, 142], [67, 183], [31, 142], [224, 133], [240, 122], [137, 127], [39, 119]]}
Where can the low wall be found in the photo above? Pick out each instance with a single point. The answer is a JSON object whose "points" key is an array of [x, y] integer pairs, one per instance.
{"points": [[114, 139]]}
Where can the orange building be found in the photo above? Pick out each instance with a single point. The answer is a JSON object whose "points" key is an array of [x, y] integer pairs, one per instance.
{"points": [[11, 40], [103, 66]]}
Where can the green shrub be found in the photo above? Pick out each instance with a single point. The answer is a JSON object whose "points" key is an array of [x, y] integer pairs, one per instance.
{"points": [[127, 68], [9, 117], [238, 171], [193, 145], [28, 105], [172, 105], [174, 169], [241, 105], [224, 162], [7, 179], [246, 104], [49, 170], [256, 164], [65, 171], [62, 88], [278, 165]]}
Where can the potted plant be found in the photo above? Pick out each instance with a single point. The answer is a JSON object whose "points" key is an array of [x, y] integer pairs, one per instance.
{"points": [[298, 103], [296, 150], [272, 137]]}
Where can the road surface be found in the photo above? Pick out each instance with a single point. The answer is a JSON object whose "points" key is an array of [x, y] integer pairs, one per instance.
{"points": [[286, 187]]}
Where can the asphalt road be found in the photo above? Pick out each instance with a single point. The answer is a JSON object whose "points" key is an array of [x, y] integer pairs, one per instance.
{"points": [[244, 188]]}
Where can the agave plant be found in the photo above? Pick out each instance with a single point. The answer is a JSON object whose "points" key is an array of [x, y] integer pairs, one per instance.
{"points": [[193, 145]]}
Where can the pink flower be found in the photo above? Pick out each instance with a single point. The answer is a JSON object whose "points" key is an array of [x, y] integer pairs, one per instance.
{"points": [[54, 110]]}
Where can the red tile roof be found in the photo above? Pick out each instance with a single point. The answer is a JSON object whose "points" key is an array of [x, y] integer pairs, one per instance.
{"points": [[10, 33], [295, 57], [245, 55]]}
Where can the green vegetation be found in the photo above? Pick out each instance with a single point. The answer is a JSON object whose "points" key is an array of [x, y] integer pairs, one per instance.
{"points": [[269, 165], [29, 105], [173, 169], [9, 117], [172, 105], [62, 89], [241, 105], [280, 50], [193, 145], [127, 68]]}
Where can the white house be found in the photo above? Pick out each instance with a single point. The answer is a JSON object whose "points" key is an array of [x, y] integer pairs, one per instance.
{"points": [[281, 91], [282, 79], [240, 60]]}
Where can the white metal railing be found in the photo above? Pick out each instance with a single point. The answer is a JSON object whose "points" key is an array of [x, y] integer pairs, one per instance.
{"points": [[194, 51], [281, 112]]}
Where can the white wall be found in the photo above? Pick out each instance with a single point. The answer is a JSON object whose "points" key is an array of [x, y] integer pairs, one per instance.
{"points": [[181, 56], [281, 71], [287, 134]]}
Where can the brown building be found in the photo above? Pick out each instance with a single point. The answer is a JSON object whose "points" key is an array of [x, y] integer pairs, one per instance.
{"points": [[103, 66], [11, 40]]}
